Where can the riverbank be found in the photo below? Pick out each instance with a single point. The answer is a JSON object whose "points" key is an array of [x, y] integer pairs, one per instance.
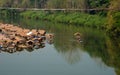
{"points": [[75, 18]]}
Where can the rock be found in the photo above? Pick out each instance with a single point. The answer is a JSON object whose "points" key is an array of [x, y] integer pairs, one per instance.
{"points": [[49, 38], [0, 30], [29, 33], [1, 46], [22, 46], [77, 36], [14, 38], [30, 42], [42, 32]]}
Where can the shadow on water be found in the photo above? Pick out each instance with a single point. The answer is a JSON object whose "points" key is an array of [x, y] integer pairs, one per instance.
{"points": [[95, 42]]}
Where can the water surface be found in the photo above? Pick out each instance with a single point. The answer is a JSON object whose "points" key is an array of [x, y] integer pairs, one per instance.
{"points": [[97, 54]]}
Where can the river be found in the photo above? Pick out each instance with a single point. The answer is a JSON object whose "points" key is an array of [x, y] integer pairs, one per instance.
{"points": [[96, 54]]}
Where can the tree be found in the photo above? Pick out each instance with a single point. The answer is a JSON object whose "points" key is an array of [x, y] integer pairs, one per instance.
{"points": [[5, 3], [77, 4], [98, 3], [113, 25]]}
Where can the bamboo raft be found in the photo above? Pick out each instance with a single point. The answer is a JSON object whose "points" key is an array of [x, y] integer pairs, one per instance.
{"points": [[14, 38]]}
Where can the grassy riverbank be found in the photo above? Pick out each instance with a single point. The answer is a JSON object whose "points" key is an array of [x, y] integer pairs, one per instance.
{"points": [[76, 18]]}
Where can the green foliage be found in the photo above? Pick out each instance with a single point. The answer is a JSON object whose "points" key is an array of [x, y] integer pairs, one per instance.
{"points": [[9, 13], [113, 25], [98, 3], [5, 3], [33, 15], [77, 18], [67, 4], [116, 17], [23, 3], [82, 4], [59, 4]]}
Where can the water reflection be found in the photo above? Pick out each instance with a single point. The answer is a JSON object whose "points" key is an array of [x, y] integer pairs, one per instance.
{"points": [[72, 56], [113, 48], [95, 42]]}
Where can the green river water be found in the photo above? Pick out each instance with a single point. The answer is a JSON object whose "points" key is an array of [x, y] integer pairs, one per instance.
{"points": [[97, 54]]}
